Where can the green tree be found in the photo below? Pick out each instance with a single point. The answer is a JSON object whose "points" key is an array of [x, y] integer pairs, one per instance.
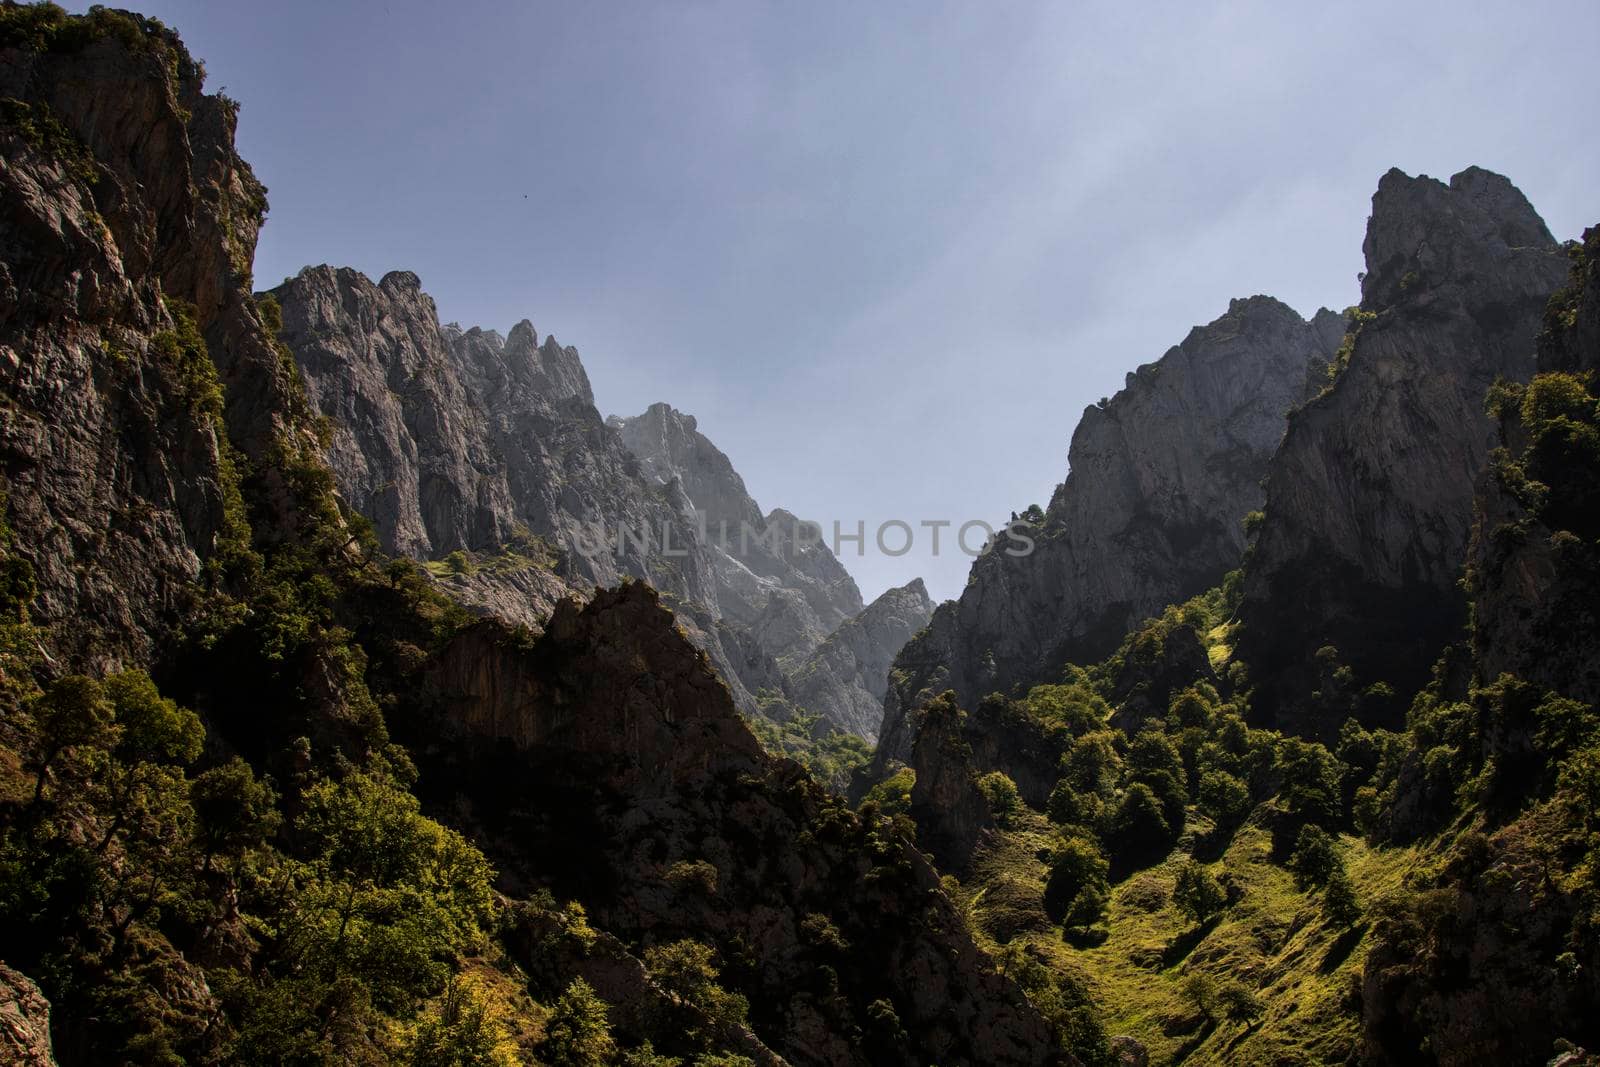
{"points": [[1075, 890], [73, 713], [1092, 765], [1197, 893], [465, 1028], [1223, 797], [153, 735], [1200, 990], [152, 728], [1315, 857], [579, 1031], [1311, 790], [1239, 1003], [1077, 707], [384, 896], [234, 811], [1339, 900], [1138, 828], [1000, 792], [688, 970]]}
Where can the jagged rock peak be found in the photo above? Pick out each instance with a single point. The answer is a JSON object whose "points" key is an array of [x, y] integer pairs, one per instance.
{"points": [[787, 589], [1160, 479], [404, 280], [846, 677], [1424, 231], [1369, 499]]}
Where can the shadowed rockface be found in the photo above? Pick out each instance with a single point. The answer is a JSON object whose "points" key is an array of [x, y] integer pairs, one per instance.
{"points": [[1369, 501]]}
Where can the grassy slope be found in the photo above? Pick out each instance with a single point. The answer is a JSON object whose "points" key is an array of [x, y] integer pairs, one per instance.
{"points": [[1274, 939]]}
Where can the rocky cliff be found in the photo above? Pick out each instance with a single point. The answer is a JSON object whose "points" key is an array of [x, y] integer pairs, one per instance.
{"points": [[484, 456], [1161, 478], [684, 824], [24, 1022], [450, 439], [774, 576], [1533, 568], [1369, 500], [845, 678], [125, 249]]}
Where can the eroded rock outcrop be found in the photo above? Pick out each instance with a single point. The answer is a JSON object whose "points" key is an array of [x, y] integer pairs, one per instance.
{"points": [[606, 747], [1162, 476], [845, 678], [1534, 569], [774, 576], [125, 249], [451, 439], [24, 1022], [1369, 500]]}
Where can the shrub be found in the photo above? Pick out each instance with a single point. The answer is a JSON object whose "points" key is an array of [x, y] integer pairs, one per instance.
{"points": [[693, 877]]}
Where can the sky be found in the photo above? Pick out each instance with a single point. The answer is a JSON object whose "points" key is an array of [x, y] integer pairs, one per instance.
{"points": [[885, 253]]}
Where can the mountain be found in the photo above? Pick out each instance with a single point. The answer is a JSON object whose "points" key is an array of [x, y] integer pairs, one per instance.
{"points": [[1161, 478], [485, 457], [460, 440], [774, 577], [1531, 569], [1369, 500], [846, 676], [267, 794]]}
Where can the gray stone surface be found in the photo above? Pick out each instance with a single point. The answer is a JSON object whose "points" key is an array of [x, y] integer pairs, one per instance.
{"points": [[1369, 500], [1161, 477]]}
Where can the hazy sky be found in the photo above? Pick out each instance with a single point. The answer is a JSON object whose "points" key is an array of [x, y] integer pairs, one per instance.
{"points": [[886, 253]]}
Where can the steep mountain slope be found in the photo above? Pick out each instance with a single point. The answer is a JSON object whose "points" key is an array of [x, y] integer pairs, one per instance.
{"points": [[825, 918], [774, 577], [1369, 500], [224, 859], [1532, 567], [448, 439], [845, 678], [1162, 476], [126, 241]]}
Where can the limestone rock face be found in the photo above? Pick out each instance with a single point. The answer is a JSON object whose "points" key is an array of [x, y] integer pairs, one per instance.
{"points": [[451, 439], [24, 1022], [1535, 577], [845, 678], [110, 446], [613, 706], [410, 447], [1162, 476], [773, 577], [1369, 500], [454, 440]]}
